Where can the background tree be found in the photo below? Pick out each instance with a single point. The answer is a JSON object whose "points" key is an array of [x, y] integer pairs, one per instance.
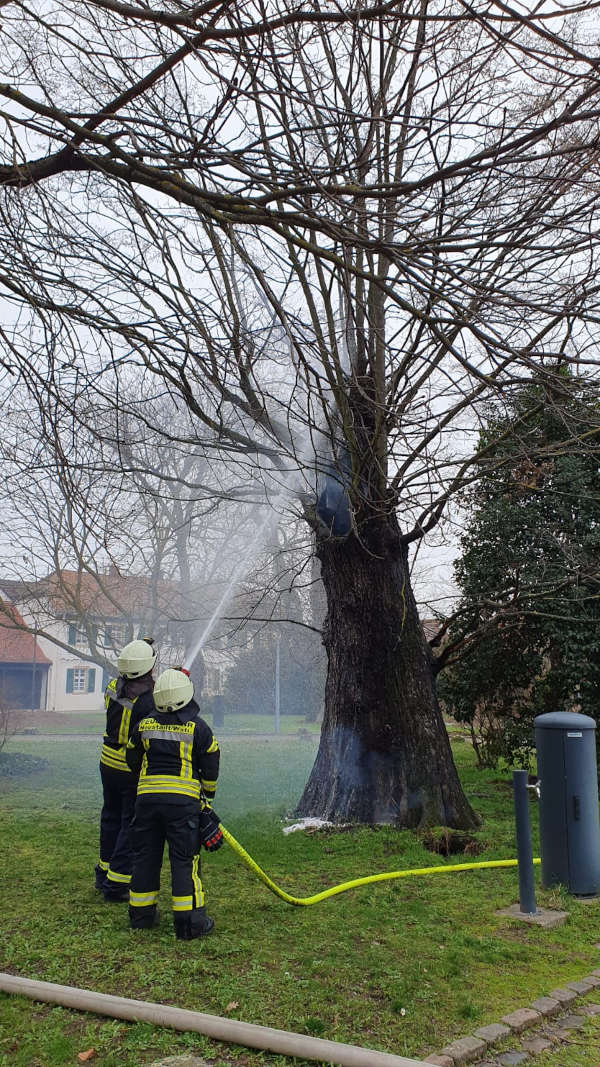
{"points": [[87, 509], [334, 235], [525, 636], [284, 621]]}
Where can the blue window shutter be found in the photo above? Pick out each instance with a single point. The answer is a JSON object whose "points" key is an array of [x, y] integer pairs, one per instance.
{"points": [[91, 679], [71, 640], [70, 680]]}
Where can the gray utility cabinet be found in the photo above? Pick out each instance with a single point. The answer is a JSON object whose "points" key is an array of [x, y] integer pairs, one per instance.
{"points": [[569, 822]]}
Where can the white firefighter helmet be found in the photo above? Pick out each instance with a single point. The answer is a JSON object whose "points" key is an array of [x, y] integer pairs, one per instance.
{"points": [[173, 690], [136, 659]]}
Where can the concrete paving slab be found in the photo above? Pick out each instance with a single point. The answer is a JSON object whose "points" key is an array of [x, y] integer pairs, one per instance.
{"points": [[546, 1005], [565, 996], [544, 917], [535, 1045], [591, 1009], [521, 1019], [584, 986], [493, 1032], [572, 1022], [465, 1050]]}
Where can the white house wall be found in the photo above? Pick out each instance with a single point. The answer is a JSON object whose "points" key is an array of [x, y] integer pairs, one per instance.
{"points": [[63, 662], [57, 697]]}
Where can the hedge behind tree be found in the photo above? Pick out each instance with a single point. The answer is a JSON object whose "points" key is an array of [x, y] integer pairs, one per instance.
{"points": [[526, 636]]}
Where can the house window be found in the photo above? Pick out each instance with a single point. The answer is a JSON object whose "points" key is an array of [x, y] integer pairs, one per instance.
{"points": [[81, 680], [116, 635], [78, 635], [214, 680]]}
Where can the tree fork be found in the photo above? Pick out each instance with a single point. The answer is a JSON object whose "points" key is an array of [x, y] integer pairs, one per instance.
{"points": [[384, 754]]}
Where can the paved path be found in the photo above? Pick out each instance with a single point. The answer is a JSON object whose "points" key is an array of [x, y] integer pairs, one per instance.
{"points": [[550, 1024]]}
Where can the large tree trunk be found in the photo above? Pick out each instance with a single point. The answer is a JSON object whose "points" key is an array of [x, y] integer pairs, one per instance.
{"points": [[384, 755]]}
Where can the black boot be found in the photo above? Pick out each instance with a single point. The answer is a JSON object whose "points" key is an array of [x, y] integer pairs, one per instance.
{"points": [[115, 892], [100, 876], [144, 918], [191, 924]]}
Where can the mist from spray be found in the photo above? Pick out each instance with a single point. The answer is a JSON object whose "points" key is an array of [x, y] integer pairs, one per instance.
{"points": [[290, 487], [240, 571]]}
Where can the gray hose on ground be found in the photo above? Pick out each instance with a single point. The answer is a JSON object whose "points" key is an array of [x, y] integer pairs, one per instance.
{"points": [[230, 1030]]}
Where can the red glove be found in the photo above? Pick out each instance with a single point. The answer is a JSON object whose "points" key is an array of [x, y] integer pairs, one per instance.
{"points": [[210, 834]]}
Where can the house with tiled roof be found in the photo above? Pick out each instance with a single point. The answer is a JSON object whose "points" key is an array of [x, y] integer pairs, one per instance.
{"points": [[24, 667], [81, 620]]}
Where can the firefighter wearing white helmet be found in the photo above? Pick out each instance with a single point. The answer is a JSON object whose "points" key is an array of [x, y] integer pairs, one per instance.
{"points": [[136, 659], [128, 698], [173, 690], [178, 762]]}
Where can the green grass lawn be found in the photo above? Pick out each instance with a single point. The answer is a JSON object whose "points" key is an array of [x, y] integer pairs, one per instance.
{"points": [[92, 723], [399, 966]]}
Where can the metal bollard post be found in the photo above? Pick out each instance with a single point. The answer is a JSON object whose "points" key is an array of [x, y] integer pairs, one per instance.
{"points": [[524, 853]]}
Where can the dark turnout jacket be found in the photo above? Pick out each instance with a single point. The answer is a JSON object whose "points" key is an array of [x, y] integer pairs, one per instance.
{"points": [[126, 702], [176, 755]]}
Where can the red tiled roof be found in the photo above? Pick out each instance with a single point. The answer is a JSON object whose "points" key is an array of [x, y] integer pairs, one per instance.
{"points": [[108, 595], [17, 645]]}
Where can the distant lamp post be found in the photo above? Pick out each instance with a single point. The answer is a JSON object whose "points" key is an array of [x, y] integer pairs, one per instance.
{"points": [[277, 681], [33, 666]]}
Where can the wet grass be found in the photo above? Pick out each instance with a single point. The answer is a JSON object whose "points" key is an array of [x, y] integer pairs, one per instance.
{"points": [[400, 966]]}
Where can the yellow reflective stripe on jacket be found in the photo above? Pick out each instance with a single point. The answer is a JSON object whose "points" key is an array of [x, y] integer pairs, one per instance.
{"points": [[112, 686], [213, 747], [181, 783], [115, 758], [124, 727], [168, 783], [209, 787], [185, 755], [110, 694]]}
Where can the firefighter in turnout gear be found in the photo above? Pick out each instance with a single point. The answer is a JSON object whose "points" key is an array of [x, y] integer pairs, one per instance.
{"points": [[128, 699], [178, 762]]}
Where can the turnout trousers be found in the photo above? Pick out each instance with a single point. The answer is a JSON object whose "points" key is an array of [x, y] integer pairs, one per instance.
{"points": [[119, 791], [159, 818]]}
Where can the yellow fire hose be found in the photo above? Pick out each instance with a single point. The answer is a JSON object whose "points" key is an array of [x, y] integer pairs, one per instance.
{"points": [[356, 882]]}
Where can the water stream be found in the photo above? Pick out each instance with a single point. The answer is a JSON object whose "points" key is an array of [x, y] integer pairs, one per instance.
{"points": [[238, 574], [288, 488]]}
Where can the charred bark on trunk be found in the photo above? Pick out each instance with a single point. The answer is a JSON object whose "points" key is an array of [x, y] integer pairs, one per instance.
{"points": [[384, 754]]}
